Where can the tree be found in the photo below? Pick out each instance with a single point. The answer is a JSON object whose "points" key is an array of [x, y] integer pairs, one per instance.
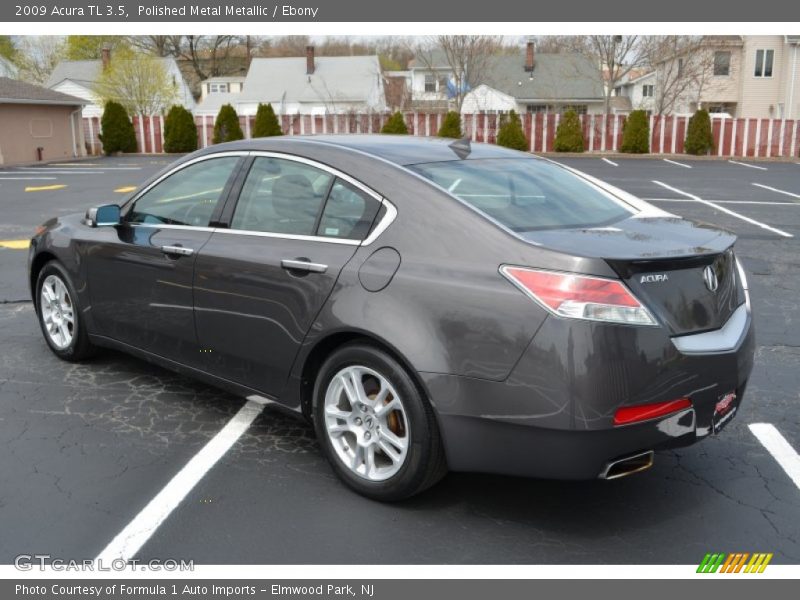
{"points": [[208, 55], [636, 133], [682, 64], [699, 137], [38, 55], [90, 47], [569, 134], [139, 82], [617, 55], [468, 58], [395, 124], [451, 127], [117, 130], [511, 134], [180, 131], [266, 123], [8, 49], [226, 127]]}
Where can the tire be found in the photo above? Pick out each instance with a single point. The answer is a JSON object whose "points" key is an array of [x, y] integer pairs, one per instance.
{"points": [[68, 339], [394, 414]]}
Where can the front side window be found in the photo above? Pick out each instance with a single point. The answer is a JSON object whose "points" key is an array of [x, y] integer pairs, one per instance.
{"points": [[349, 212], [187, 197], [764, 60], [281, 196], [722, 63], [526, 194]]}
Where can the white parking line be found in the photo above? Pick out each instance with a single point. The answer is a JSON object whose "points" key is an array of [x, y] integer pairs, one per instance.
{"points": [[85, 167], [4, 178], [779, 448], [131, 539], [723, 201], [725, 210], [611, 162], [673, 162], [59, 172], [736, 162], [772, 189]]}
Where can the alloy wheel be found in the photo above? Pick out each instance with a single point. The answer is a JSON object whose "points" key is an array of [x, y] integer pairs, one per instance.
{"points": [[58, 314]]}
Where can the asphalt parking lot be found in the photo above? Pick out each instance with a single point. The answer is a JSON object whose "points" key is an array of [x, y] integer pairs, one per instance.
{"points": [[83, 448]]}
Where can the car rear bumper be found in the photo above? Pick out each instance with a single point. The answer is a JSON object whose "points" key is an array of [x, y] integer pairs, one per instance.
{"points": [[553, 416]]}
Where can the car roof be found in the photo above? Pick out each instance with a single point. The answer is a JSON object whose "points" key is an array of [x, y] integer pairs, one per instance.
{"points": [[402, 150]]}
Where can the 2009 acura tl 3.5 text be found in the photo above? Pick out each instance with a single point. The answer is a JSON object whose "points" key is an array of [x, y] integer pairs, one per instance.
{"points": [[429, 305]]}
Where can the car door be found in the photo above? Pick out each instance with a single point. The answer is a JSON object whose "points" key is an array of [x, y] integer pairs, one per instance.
{"points": [[140, 275], [260, 282]]}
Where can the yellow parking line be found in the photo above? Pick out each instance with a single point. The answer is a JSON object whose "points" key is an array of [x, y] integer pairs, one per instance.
{"points": [[45, 188], [15, 244], [125, 189]]}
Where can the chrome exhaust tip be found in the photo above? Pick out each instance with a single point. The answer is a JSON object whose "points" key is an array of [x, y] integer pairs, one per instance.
{"points": [[628, 465]]}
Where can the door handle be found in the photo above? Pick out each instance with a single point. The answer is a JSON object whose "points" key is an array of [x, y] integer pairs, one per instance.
{"points": [[177, 250], [303, 265]]}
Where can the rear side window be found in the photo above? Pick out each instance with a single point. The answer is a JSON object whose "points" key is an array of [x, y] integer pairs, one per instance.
{"points": [[187, 197], [349, 212], [526, 194], [281, 196]]}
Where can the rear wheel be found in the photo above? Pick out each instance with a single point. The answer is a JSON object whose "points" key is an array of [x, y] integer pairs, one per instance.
{"points": [[59, 314], [375, 427]]}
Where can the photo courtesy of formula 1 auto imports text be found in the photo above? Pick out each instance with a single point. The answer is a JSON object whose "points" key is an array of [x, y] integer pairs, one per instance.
{"points": [[350, 299]]}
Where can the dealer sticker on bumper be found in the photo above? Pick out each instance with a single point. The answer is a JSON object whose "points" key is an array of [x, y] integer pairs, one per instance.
{"points": [[724, 410]]}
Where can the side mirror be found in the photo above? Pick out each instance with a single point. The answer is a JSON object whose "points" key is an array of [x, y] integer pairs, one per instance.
{"points": [[105, 215]]}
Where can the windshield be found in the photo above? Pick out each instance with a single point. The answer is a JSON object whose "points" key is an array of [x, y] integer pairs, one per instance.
{"points": [[526, 194]]}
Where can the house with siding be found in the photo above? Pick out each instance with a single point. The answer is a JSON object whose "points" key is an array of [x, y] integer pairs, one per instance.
{"points": [[635, 93], [524, 81], [310, 85], [79, 78], [755, 76]]}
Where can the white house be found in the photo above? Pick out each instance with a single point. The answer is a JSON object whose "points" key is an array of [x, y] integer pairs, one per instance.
{"points": [[79, 78], [221, 85], [306, 85], [522, 81], [636, 93]]}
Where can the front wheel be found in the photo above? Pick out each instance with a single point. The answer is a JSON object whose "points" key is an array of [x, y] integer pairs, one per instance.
{"points": [[59, 314], [375, 427]]}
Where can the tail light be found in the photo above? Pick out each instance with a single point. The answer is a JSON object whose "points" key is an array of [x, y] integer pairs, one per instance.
{"points": [[644, 412], [580, 296]]}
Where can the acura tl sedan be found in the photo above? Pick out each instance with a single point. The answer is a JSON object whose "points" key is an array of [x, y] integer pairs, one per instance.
{"points": [[427, 304]]}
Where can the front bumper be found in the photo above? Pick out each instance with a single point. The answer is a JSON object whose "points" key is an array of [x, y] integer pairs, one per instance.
{"points": [[553, 416]]}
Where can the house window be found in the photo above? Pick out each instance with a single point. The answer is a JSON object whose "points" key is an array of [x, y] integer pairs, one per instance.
{"points": [[722, 63], [680, 67], [218, 88], [430, 83], [443, 79], [648, 91], [535, 109], [764, 59], [580, 109]]}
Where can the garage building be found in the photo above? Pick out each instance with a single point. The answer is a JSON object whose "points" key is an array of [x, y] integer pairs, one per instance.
{"points": [[38, 124]]}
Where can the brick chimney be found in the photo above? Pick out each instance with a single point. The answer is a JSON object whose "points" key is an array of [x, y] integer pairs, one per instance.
{"points": [[310, 60], [530, 57], [105, 54]]}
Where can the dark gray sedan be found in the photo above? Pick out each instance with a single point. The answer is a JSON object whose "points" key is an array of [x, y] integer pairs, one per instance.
{"points": [[429, 305]]}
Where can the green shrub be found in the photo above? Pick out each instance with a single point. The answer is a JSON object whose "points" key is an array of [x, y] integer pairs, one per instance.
{"points": [[451, 128], [699, 138], [180, 131], [636, 133], [510, 134], [117, 130], [266, 123], [226, 127], [396, 124], [569, 134]]}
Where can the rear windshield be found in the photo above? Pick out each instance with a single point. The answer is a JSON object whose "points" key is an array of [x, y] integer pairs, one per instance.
{"points": [[526, 194]]}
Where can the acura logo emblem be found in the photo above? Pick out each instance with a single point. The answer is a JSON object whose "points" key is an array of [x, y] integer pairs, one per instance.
{"points": [[710, 278]]}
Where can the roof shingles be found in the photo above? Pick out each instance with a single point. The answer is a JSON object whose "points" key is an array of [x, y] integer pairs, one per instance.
{"points": [[14, 91]]}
